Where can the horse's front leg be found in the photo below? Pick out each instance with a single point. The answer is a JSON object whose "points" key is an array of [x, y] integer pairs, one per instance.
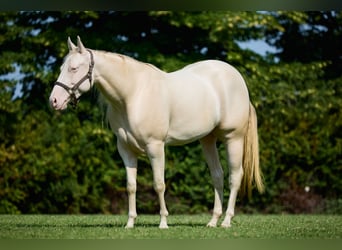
{"points": [[156, 155], [131, 190], [130, 161]]}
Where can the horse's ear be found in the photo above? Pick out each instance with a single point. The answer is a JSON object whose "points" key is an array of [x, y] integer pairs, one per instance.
{"points": [[71, 46], [80, 45]]}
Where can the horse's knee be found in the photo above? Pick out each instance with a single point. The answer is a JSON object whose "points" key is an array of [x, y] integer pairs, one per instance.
{"points": [[131, 187], [159, 186]]}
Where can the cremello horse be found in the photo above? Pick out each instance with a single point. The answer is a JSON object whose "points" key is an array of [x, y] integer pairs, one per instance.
{"points": [[149, 108]]}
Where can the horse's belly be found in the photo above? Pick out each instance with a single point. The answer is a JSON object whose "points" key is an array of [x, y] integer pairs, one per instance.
{"points": [[191, 126], [184, 138]]}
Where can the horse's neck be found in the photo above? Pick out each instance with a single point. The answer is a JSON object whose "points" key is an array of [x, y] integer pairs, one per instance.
{"points": [[119, 77]]}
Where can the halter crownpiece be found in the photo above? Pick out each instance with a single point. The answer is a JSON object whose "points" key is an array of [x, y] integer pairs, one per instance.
{"points": [[72, 91]]}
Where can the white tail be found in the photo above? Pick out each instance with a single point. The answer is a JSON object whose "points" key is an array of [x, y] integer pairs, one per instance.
{"points": [[252, 172]]}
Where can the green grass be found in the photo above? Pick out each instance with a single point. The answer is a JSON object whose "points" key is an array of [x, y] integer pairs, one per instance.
{"points": [[180, 227]]}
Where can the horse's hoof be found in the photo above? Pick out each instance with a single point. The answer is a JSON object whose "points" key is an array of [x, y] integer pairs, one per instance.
{"points": [[129, 226], [163, 226], [211, 224], [225, 225]]}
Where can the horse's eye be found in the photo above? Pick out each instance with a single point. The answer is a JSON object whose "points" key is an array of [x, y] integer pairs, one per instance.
{"points": [[73, 69]]}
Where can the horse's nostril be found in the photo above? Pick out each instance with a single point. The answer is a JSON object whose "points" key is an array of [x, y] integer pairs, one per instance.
{"points": [[53, 102]]}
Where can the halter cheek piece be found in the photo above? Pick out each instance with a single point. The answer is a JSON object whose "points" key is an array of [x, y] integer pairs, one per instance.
{"points": [[74, 88]]}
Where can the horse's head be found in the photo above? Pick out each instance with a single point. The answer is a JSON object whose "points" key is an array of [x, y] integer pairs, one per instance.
{"points": [[76, 76]]}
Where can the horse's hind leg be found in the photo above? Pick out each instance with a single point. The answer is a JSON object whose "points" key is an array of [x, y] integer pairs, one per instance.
{"points": [[210, 152], [234, 148]]}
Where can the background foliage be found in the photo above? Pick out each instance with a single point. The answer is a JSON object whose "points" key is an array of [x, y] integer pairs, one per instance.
{"points": [[53, 162]]}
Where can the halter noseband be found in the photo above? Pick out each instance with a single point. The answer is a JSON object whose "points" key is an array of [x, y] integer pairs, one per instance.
{"points": [[72, 90]]}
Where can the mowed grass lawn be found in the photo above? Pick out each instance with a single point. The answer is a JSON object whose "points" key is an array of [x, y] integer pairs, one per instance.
{"points": [[180, 227]]}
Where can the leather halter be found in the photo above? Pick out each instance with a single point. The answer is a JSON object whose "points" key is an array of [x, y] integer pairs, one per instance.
{"points": [[74, 88]]}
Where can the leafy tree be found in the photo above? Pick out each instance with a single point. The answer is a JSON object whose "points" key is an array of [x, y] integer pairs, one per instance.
{"points": [[317, 36]]}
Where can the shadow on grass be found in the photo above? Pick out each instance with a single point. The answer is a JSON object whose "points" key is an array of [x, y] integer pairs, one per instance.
{"points": [[156, 225], [35, 225], [104, 225]]}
